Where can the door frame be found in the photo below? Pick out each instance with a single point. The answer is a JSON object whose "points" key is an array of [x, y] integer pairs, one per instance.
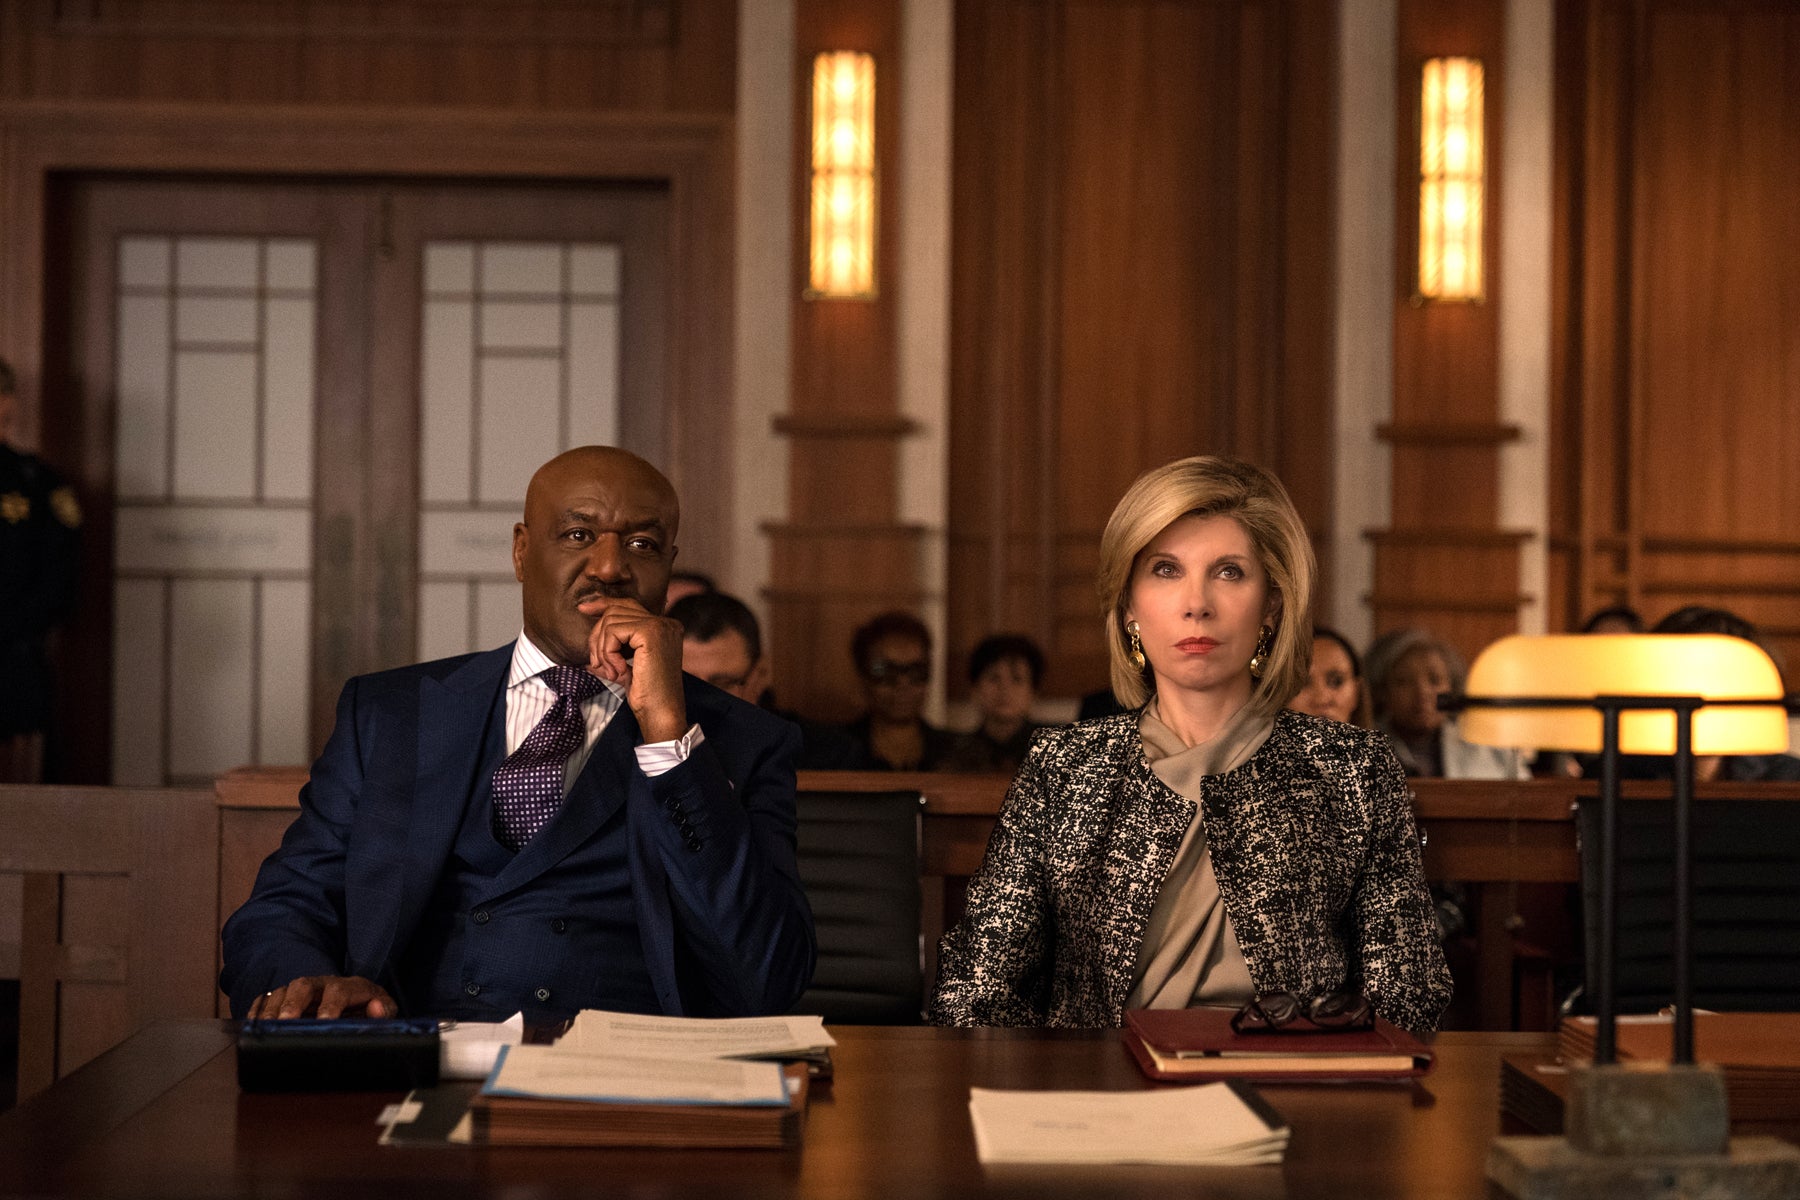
{"points": [[691, 155]]}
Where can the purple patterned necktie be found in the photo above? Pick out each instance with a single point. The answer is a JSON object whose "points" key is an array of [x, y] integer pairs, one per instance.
{"points": [[528, 786]]}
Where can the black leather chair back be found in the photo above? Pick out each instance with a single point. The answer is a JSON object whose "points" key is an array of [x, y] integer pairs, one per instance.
{"points": [[1746, 936], [859, 862]]}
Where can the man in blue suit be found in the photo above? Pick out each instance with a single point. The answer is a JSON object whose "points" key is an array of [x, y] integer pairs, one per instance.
{"points": [[566, 822]]}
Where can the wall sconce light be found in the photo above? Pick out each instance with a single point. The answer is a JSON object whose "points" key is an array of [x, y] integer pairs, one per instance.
{"points": [[1452, 180], [841, 251]]}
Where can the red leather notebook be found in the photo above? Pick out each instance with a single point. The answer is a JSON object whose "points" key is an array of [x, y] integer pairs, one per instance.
{"points": [[1195, 1044]]}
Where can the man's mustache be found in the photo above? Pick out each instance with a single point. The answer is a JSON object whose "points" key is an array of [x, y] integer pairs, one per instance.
{"points": [[606, 591]]}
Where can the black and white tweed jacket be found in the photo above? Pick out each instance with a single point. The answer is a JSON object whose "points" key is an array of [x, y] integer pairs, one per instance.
{"points": [[1312, 840]]}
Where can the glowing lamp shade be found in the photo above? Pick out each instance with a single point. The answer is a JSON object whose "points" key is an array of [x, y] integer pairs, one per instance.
{"points": [[841, 242], [1582, 666], [1452, 180]]}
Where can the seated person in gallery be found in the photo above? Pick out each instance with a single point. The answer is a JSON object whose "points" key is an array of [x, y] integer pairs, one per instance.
{"points": [[561, 823], [893, 661], [1714, 768], [1207, 845], [1334, 681], [1005, 671], [1408, 670], [721, 642], [1620, 618]]}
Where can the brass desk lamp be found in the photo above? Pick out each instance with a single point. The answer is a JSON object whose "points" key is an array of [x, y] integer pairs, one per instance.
{"points": [[1636, 1129]]}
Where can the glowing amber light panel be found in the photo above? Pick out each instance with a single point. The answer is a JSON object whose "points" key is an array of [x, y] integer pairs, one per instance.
{"points": [[841, 248], [1452, 180], [1582, 666]]}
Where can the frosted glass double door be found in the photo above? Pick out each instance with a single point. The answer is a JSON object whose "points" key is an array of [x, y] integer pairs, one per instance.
{"points": [[324, 402]]}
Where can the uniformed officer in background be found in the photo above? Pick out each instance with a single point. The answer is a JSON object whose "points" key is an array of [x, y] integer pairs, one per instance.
{"points": [[40, 521]]}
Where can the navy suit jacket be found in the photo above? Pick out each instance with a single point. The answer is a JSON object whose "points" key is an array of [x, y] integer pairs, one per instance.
{"points": [[725, 927]]}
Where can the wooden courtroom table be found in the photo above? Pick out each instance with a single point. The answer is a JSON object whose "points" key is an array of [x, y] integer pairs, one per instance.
{"points": [[161, 1115]]}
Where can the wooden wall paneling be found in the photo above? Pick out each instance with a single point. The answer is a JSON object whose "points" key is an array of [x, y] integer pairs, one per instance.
{"points": [[1451, 581], [1681, 326], [1148, 233], [636, 55], [1606, 395], [842, 556], [1248, 393], [1126, 174], [1594, 92], [702, 71], [1568, 553], [1300, 400], [1445, 433], [1005, 242], [1720, 331], [1716, 313]]}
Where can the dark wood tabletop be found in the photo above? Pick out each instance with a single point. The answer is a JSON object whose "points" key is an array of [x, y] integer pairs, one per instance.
{"points": [[161, 1115]]}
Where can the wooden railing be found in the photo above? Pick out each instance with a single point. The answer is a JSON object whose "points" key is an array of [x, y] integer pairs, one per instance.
{"points": [[1486, 835]]}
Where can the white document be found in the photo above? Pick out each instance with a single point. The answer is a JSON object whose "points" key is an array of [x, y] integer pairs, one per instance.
{"points": [[467, 1049], [636, 1036], [557, 1072], [1208, 1124]]}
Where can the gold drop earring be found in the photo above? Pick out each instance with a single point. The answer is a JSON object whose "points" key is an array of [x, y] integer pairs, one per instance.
{"points": [[1136, 653], [1264, 643]]}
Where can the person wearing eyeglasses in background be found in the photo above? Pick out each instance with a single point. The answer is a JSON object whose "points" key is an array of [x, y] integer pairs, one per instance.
{"points": [[721, 642], [893, 661], [1207, 846]]}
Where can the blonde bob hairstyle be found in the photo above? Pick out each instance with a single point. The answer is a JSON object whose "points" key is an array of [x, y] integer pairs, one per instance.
{"points": [[1205, 486]]}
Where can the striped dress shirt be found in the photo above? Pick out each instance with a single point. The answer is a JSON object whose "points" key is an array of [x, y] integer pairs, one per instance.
{"points": [[528, 698]]}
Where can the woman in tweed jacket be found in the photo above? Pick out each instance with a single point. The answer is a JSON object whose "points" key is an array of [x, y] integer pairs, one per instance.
{"points": [[1291, 863]]}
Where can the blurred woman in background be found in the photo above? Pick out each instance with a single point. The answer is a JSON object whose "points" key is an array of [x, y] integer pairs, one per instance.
{"points": [[1334, 681], [1408, 670], [1005, 671]]}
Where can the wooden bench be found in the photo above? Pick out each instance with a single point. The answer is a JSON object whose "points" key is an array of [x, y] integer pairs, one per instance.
{"points": [[116, 901]]}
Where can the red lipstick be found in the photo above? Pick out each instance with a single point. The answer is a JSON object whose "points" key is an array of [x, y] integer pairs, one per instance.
{"points": [[1200, 645]]}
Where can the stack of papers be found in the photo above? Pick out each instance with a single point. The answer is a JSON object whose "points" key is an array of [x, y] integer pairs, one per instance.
{"points": [[634, 1036], [553, 1073], [1219, 1124], [621, 1079], [550, 1096]]}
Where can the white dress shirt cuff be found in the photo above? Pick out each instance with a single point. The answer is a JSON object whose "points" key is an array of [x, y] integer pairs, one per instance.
{"points": [[659, 758]]}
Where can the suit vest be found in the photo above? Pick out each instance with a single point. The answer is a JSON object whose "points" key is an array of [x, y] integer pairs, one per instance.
{"points": [[547, 931]]}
